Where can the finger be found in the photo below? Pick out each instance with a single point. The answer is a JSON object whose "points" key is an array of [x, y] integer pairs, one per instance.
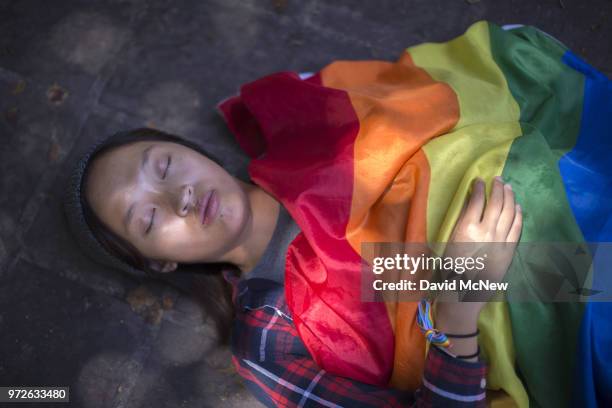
{"points": [[495, 204], [517, 225], [473, 211], [463, 209], [507, 214]]}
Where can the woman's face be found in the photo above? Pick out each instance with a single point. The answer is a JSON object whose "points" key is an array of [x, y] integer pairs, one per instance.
{"points": [[171, 202]]}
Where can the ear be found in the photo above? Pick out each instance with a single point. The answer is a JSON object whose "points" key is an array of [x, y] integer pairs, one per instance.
{"points": [[163, 267]]}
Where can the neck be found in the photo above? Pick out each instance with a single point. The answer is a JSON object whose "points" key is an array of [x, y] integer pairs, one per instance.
{"points": [[258, 233]]}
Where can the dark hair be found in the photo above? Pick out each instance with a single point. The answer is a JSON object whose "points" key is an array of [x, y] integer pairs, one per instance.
{"points": [[204, 282]]}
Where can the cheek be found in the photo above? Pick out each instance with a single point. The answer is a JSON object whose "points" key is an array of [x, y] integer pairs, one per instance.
{"points": [[234, 211], [164, 240], [177, 236], [183, 240]]}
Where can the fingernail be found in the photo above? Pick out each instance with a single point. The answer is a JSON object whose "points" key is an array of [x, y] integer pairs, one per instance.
{"points": [[508, 186], [498, 178], [518, 208]]}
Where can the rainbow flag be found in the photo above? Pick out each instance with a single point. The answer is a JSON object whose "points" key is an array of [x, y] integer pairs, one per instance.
{"points": [[377, 151]]}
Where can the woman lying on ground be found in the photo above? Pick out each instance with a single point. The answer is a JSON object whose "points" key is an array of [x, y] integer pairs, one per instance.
{"points": [[377, 151], [157, 202]]}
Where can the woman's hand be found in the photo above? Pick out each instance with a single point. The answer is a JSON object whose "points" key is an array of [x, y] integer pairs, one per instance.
{"points": [[499, 221], [492, 231]]}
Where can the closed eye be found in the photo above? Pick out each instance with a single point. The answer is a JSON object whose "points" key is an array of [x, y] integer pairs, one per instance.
{"points": [[167, 167], [151, 223]]}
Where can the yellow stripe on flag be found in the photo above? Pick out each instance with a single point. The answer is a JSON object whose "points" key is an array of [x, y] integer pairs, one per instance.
{"points": [[477, 146]]}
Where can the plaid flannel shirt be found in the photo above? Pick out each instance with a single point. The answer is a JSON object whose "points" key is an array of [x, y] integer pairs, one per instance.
{"points": [[278, 369]]}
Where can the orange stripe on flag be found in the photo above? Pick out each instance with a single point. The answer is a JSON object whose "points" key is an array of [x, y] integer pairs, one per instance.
{"points": [[400, 108]]}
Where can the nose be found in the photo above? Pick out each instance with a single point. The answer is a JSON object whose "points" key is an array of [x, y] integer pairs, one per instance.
{"points": [[186, 200]]}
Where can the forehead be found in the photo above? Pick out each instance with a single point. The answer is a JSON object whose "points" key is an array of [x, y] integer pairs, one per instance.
{"points": [[111, 177], [112, 168]]}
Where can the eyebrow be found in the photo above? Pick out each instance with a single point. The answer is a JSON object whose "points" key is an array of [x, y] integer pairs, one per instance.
{"points": [[146, 153]]}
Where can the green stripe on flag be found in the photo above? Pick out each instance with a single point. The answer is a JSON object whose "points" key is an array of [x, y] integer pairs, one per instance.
{"points": [[549, 94]]}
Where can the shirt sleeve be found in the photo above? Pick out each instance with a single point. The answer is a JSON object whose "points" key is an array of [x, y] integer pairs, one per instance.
{"points": [[298, 381]]}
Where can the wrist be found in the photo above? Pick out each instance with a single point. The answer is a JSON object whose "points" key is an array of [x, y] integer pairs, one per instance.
{"points": [[454, 318], [457, 318]]}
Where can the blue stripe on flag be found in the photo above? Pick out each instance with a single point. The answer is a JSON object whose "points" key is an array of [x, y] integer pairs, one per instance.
{"points": [[587, 175]]}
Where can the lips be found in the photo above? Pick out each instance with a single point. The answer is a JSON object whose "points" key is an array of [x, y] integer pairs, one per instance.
{"points": [[208, 207]]}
